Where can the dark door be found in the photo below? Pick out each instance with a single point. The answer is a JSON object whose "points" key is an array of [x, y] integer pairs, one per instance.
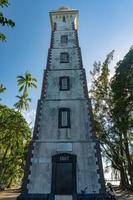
{"points": [[64, 178], [64, 174]]}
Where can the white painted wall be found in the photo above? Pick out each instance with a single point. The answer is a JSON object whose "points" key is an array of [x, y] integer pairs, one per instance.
{"points": [[75, 140]]}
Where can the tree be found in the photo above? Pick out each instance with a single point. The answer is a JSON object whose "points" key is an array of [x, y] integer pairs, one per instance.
{"points": [[15, 135], [25, 83], [23, 102], [106, 129], [2, 89], [3, 20], [122, 111]]}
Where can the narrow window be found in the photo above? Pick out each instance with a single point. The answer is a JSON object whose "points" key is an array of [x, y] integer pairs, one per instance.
{"points": [[64, 39], [55, 26], [64, 19], [64, 118], [64, 83], [64, 57]]}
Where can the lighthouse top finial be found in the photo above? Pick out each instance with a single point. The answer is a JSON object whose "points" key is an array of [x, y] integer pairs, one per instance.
{"points": [[64, 8]]}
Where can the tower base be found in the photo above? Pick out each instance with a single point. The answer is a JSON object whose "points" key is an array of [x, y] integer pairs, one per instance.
{"points": [[101, 196]]}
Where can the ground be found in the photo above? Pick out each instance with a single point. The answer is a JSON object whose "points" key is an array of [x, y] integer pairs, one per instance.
{"points": [[12, 194], [124, 195], [9, 194]]}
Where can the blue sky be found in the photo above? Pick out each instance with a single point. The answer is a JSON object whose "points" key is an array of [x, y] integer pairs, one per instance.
{"points": [[103, 26]]}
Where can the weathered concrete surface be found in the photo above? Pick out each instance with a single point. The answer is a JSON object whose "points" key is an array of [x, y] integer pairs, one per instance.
{"points": [[42, 166], [76, 140]]}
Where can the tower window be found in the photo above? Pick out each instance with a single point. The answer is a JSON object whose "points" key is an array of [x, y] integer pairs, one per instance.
{"points": [[64, 118], [64, 57], [64, 39], [64, 83], [64, 19], [55, 26]]}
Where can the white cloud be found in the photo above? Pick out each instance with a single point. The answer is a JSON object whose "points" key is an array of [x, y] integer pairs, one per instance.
{"points": [[30, 117]]}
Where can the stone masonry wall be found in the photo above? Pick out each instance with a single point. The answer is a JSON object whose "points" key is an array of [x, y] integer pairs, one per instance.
{"points": [[80, 139]]}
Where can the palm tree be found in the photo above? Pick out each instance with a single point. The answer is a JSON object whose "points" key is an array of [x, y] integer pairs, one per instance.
{"points": [[2, 89], [23, 102], [26, 82]]}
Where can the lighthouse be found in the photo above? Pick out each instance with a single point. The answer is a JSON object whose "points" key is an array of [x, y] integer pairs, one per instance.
{"points": [[64, 158]]}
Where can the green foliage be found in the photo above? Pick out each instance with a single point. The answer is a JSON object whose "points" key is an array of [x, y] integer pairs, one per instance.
{"points": [[3, 20], [4, 3], [25, 83], [2, 37], [100, 95], [14, 138], [15, 133], [122, 110], [122, 88], [112, 102], [23, 102], [2, 89]]}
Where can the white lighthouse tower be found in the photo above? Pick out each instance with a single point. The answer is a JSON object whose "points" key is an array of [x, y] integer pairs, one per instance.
{"points": [[64, 160]]}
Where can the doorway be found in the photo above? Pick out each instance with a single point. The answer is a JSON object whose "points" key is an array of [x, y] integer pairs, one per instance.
{"points": [[64, 174]]}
